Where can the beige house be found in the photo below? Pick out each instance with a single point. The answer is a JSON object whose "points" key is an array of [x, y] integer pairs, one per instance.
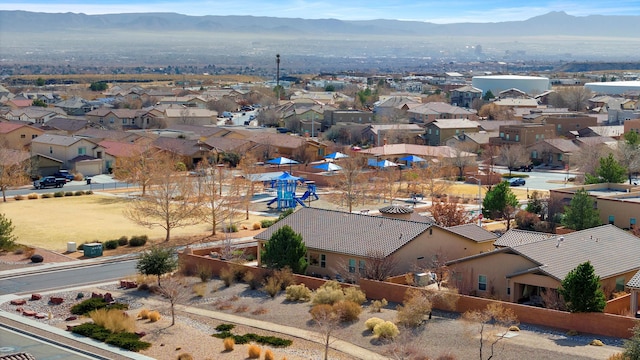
{"points": [[17, 136], [531, 265], [344, 243], [75, 153]]}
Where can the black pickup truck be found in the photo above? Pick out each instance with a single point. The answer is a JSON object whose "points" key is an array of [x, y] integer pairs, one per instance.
{"points": [[49, 181]]}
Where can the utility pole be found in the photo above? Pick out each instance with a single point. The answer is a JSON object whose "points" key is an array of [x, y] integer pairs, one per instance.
{"points": [[278, 75]]}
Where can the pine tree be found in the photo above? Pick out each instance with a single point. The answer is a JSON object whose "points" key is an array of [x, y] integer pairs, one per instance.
{"points": [[581, 290], [500, 203], [285, 249], [157, 261], [581, 213], [7, 239]]}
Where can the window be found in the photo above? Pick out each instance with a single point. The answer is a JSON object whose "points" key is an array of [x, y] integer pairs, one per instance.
{"points": [[352, 265], [34, 136], [82, 150], [620, 283], [99, 154], [111, 121], [559, 127], [502, 135], [507, 136], [437, 131], [537, 137], [612, 219], [429, 131], [632, 222], [517, 137], [124, 121], [361, 267], [23, 136], [323, 260], [482, 282], [50, 150], [559, 157], [534, 154], [312, 258]]}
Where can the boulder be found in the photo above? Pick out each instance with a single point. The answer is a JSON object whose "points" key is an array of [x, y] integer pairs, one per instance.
{"points": [[20, 309], [35, 297], [29, 313], [141, 333], [37, 258], [18, 302], [56, 300], [71, 318]]}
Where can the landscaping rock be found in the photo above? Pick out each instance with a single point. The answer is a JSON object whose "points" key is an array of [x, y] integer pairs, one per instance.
{"points": [[18, 302], [140, 333], [108, 298], [71, 318], [35, 297], [29, 313], [19, 309], [56, 300], [37, 258], [41, 316]]}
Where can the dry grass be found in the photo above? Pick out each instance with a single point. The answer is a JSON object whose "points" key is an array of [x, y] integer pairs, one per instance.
{"points": [[114, 320]]}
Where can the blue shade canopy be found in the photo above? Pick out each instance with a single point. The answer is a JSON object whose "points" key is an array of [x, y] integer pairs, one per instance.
{"points": [[336, 155], [412, 158], [385, 164], [282, 161], [329, 166], [287, 177]]}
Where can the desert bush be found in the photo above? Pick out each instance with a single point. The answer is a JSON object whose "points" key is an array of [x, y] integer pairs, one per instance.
{"points": [[111, 244], [78, 193], [372, 322], [412, 311], [266, 223], [123, 241], [58, 194], [273, 286], [285, 277], [230, 228], [78, 177], [32, 196], [92, 304], [241, 309], [329, 293], [254, 351], [238, 271], [138, 240], [88, 192], [596, 342], [143, 314], [256, 226], [116, 321], [154, 316], [386, 330], [347, 310], [298, 293], [617, 356], [514, 328], [200, 289], [268, 355], [229, 344], [572, 333], [355, 295], [68, 193], [125, 340], [185, 356], [47, 196], [204, 273], [377, 305], [226, 275], [253, 280], [18, 197], [259, 311], [320, 311]]}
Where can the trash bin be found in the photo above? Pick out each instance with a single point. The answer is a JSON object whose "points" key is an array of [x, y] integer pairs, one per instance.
{"points": [[88, 181], [92, 249]]}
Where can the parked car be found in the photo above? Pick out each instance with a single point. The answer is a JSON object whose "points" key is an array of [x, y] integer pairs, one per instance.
{"points": [[49, 182], [526, 168], [64, 174], [517, 182]]}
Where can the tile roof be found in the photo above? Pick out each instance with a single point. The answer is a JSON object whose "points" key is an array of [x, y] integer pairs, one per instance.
{"points": [[53, 139], [18, 356], [182, 147], [348, 233], [7, 127], [65, 124], [121, 149], [516, 237], [455, 123], [419, 150], [473, 232], [611, 251], [563, 145], [635, 281]]}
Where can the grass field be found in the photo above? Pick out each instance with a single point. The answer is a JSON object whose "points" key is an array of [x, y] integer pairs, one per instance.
{"points": [[51, 223]]}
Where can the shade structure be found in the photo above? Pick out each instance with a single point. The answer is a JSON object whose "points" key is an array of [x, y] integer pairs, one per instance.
{"points": [[282, 161], [412, 158], [385, 164], [328, 166], [287, 177], [336, 155]]}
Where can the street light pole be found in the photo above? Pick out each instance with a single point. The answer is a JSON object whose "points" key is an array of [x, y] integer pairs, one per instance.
{"points": [[479, 199]]}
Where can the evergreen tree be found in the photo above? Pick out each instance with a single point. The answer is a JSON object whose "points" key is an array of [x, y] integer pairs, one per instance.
{"points": [[581, 213], [157, 261], [581, 290], [285, 249], [609, 171], [7, 239], [500, 203]]}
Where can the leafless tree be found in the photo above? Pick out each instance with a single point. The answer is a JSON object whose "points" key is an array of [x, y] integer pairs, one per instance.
{"points": [[378, 266], [248, 166], [214, 206], [171, 203], [14, 169], [492, 111], [492, 324], [327, 322], [175, 291], [628, 156], [462, 157], [222, 105], [431, 178], [268, 117], [139, 167], [575, 97], [588, 158], [385, 182], [513, 156], [350, 180]]}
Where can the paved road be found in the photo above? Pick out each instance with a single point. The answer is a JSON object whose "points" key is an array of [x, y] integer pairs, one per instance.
{"points": [[13, 342], [541, 180], [62, 278]]}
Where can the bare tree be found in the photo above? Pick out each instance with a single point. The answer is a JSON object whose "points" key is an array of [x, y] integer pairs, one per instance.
{"points": [[492, 111], [378, 266], [268, 117], [462, 158], [175, 291], [139, 168], [214, 206], [14, 169], [449, 213], [431, 178], [492, 323], [222, 105], [575, 97], [171, 203], [513, 156], [588, 158], [385, 182], [349, 181], [327, 321], [628, 156], [248, 167]]}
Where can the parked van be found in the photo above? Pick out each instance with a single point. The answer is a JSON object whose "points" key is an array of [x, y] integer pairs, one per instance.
{"points": [[227, 114]]}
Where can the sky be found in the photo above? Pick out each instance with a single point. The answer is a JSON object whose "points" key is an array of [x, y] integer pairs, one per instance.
{"points": [[440, 11]]}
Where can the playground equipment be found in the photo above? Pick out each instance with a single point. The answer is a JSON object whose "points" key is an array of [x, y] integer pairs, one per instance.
{"points": [[285, 186]]}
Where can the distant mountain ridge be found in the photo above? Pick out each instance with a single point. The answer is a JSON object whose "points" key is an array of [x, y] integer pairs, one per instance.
{"points": [[551, 24]]}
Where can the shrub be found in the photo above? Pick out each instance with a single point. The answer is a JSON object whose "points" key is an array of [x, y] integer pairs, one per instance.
{"points": [[298, 293], [78, 193], [272, 287], [116, 321], [355, 295], [596, 342], [226, 275], [68, 193], [372, 322], [78, 176], [253, 280], [154, 316], [268, 355], [18, 197], [321, 311], [412, 311], [617, 356], [266, 223], [572, 333], [254, 351], [58, 194], [514, 328], [285, 277], [225, 327], [138, 240], [143, 314], [185, 356], [230, 228], [32, 196], [228, 343], [47, 196], [347, 310], [127, 341], [88, 192], [284, 214], [200, 289], [88, 305], [377, 305], [386, 330], [204, 273], [256, 226], [329, 293], [111, 244], [123, 241]]}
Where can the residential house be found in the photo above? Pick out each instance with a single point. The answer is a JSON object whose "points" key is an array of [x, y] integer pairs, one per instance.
{"points": [[191, 101], [524, 270], [17, 135], [440, 130], [617, 204], [34, 114], [393, 133], [76, 106], [190, 152], [519, 106], [523, 134], [189, 116], [555, 153], [270, 145], [116, 151], [97, 135], [333, 117], [613, 131], [115, 118], [394, 107], [444, 155], [432, 111], [64, 126], [563, 124], [473, 141], [75, 153], [465, 96], [343, 243], [18, 103], [513, 93]]}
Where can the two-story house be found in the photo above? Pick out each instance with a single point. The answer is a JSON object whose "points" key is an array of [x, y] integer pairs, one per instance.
{"points": [[74, 153], [523, 134], [437, 132], [432, 111], [465, 96], [17, 136]]}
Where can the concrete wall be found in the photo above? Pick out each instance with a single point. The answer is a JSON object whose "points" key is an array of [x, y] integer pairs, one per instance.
{"points": [[619, 306]]}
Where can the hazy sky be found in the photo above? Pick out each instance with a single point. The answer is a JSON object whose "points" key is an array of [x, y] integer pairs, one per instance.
{"points": [[440, 11]]}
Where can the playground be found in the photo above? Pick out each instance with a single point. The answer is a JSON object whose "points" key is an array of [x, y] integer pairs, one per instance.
{"points": [[281, 190]]}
